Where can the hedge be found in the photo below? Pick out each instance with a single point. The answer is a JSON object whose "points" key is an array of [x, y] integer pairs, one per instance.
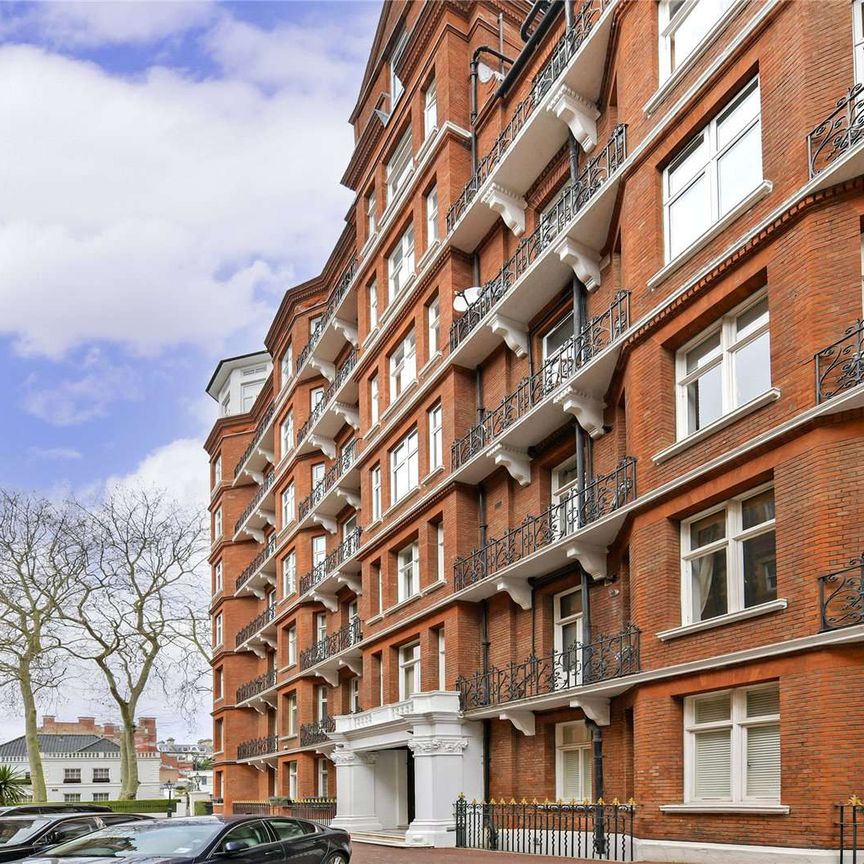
{"points": [[136, 805], [203, 808]]}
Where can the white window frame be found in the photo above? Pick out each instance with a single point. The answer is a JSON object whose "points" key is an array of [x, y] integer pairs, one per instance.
{"points": [[217, 523], [730, 345], [286, 366], [670, 24], [738, 723], [71, 775], [321, 699], [323, 775], [373, 305], [218, 577], [404, 468], [71, 797], [218, 631], [441, 645], [319, 548], [583, 748], [289, 502], [400, 166], [292, 714], [433, 326], [708, 135], [316, 397], [397, 87], [379, 581], [439, 550], [573, 677], [733, 542], [403, 366], [291, 640], [217, 470], [435, 423], [430, 109], [293, 786], [400, 264], [354, 694], [408, 571], [430, 208], [376, 492], [409, 664], [371, 214], [286, 434], [317, 472], [289, 574], [374, 400], [320, 626], [101, 796]]}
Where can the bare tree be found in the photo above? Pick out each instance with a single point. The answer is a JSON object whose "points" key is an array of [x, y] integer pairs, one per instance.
{"points": [[139, 591], [40, 568]]}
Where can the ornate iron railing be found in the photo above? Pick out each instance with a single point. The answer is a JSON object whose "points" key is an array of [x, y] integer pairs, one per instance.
{"points": [[561, 55], [601, 496], [256, 624], [601, 659], [315, 733], [257, 561], [343, 372], [320, 810], [841, 596], [336, 298], [840, 365], [256, 500], [332, 475], [841, 130], [851, 826], [332, 644], [260, 429], [257, 747], [573, 830], [598, 333], [345, 550], [256, 686], [572, 199], [249, 808]]}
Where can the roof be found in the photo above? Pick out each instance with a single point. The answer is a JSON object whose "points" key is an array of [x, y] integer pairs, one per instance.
{"points": [[225, 367], [59, 743]]}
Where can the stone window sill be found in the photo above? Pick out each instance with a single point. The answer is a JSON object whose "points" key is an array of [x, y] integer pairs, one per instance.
{"points": [[720, 620], [727, 807], [400, 399], [430, 363], [434, 586], [397, 504], [432, 474]]}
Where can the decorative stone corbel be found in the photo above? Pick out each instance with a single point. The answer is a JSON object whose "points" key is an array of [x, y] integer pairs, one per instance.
{"points": [[349, 496], [328, 601], [518, 589], [587, 409], [325, 367], [596, 708], [514, 333], [592, 558], [328, 523], [257, 592], [509, 205], [522, 720], [267, 454], [255, 533], [269, 517], [347, 329], [331, 676], [257, 476], [326, 445], [584, 261], [355, 664], [258, 708], [351, 581], [348, 413], [516, 462], [257, 650], [578, 113]]}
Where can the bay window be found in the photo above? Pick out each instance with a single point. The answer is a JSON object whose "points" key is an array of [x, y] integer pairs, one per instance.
{"points": [[404, 467], [400, 264], [403, 366]]}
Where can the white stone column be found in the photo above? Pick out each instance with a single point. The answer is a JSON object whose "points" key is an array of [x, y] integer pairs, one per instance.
{"points": [[355, 790]]}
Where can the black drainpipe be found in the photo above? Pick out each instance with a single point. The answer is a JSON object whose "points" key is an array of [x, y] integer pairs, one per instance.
{"points": [[475, 62], [530, 46], [487, 724]]}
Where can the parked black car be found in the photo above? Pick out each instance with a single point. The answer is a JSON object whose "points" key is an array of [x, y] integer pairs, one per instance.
{"points": [[23, 835], [30, 809], [239, 839]]}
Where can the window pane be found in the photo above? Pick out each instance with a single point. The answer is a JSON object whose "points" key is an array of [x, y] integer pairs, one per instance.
{"points": [[687, 165], [763, 762], [689, 216], [713, 764], [760, 570], [764, 702], [571, 604], [703, 353], [739, 169], [704, 399], [758, 509], [753, 369], [557, 337], [708, 530], [752, 318], [713, 709], [708, 586], [737, 116], [692, 28]]}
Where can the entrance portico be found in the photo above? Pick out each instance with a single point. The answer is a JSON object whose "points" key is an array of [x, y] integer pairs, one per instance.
{"points": [[374, 753]]}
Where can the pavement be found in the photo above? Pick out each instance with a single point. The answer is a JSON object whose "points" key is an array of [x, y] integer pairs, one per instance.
{"points": [[366, 853]]}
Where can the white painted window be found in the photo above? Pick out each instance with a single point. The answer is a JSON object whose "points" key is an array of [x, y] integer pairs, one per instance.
{"points": [[408, 566], [353, 610], [439, 550], [404, 475], [71, 797], [436, 436], [409, 670], [101, 775], [319, 549], [371, 214], [289, 574], [71, 775], [321, 701], [248, 394], [314, 321], [291, 712], [396, 85], [291, 641], [354, 694], [400, 264], [286, 434], [293, 786], [728, 557], [683, 26], [572, 761], [217, 524], [316, 397], [430, 109], [318, 471], [320, 626], [858, 39], [349, 526], [373, 306], [442, 659], [725, 367], [323, 775], [218, 578], [101, 796], [568, 635], [717, 170], [379, 582], [217, 471], [732, 746], [286, 366], [433, 326], [289, 511], [431, 209], [403, 366], [376, 493], [225, 405], [400, 166], [374, 400], [217, 630]]}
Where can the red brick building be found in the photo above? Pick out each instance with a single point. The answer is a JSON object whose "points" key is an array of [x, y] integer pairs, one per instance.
{"points": [[549, 486]]}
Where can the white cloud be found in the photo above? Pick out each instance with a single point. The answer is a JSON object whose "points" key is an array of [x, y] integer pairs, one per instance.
{"points": [[54, 453]]}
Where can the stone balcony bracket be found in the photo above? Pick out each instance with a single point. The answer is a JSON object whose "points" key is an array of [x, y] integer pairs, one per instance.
{"points": [[584, 261], [353, 664], [325, 367], [518, 589], [269, 517], [592, 558], [328, 601], [348, 413], [509, 205], [514, 333], [578, 113], [596, 708], [267, 454], [326, 445], [587, 409], [515, 460], [328, 523], [257, 476], [349, 496], [521, 720], [347, 329], [351, 581], [255, 533], [331, 676]]}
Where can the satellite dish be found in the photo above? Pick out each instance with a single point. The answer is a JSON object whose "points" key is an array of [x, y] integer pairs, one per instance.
{"points": [[487, 73], [466, 298]]}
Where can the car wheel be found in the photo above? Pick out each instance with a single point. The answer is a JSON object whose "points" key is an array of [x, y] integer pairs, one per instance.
{"points": [[337, 858]]}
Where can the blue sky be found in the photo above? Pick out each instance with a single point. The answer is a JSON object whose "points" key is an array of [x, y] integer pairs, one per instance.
{"points": [[167, 170]]}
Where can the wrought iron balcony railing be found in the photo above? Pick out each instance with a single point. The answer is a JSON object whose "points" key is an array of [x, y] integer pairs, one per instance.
{"points": [[258, 747], [256, 686], [334, 472], [561, 55], [332, 644], [841, 596], [256, 500], [257, 561], [338, 295], [256, 624], [601, 496], [315, 733], [260, 429], [317, 412], [572, 199], [841, 130], [555, 371], [599, 660], [345, 550], [840, 366]]}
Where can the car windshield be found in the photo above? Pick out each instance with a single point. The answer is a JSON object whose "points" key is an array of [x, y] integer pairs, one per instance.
{"points": [[140, 839], [19, 829]]}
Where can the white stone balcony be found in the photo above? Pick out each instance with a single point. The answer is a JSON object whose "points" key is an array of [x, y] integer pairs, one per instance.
{"points": [[258, 457], [260, 574], [339, 569], [340, 486], [337, 407]]}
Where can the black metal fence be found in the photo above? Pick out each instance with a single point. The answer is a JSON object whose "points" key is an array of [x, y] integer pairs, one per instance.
{"points": [[315, 733], [334, 472], [596, 831], [251, 808], [345, 550], [258, 747], [257, 623], [257, 685], [841, 596], [838, 132], [852, 831], [332, 644], [840, 366], [257, 561], [253, 504], [342, 373]]}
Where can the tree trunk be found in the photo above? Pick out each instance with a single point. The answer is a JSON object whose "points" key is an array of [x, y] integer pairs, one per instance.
{"points": [[31, 723], [128, 757]]}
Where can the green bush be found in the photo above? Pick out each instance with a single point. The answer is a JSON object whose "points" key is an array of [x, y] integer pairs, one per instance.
{"points": [[137, 805], [203, 808]]}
